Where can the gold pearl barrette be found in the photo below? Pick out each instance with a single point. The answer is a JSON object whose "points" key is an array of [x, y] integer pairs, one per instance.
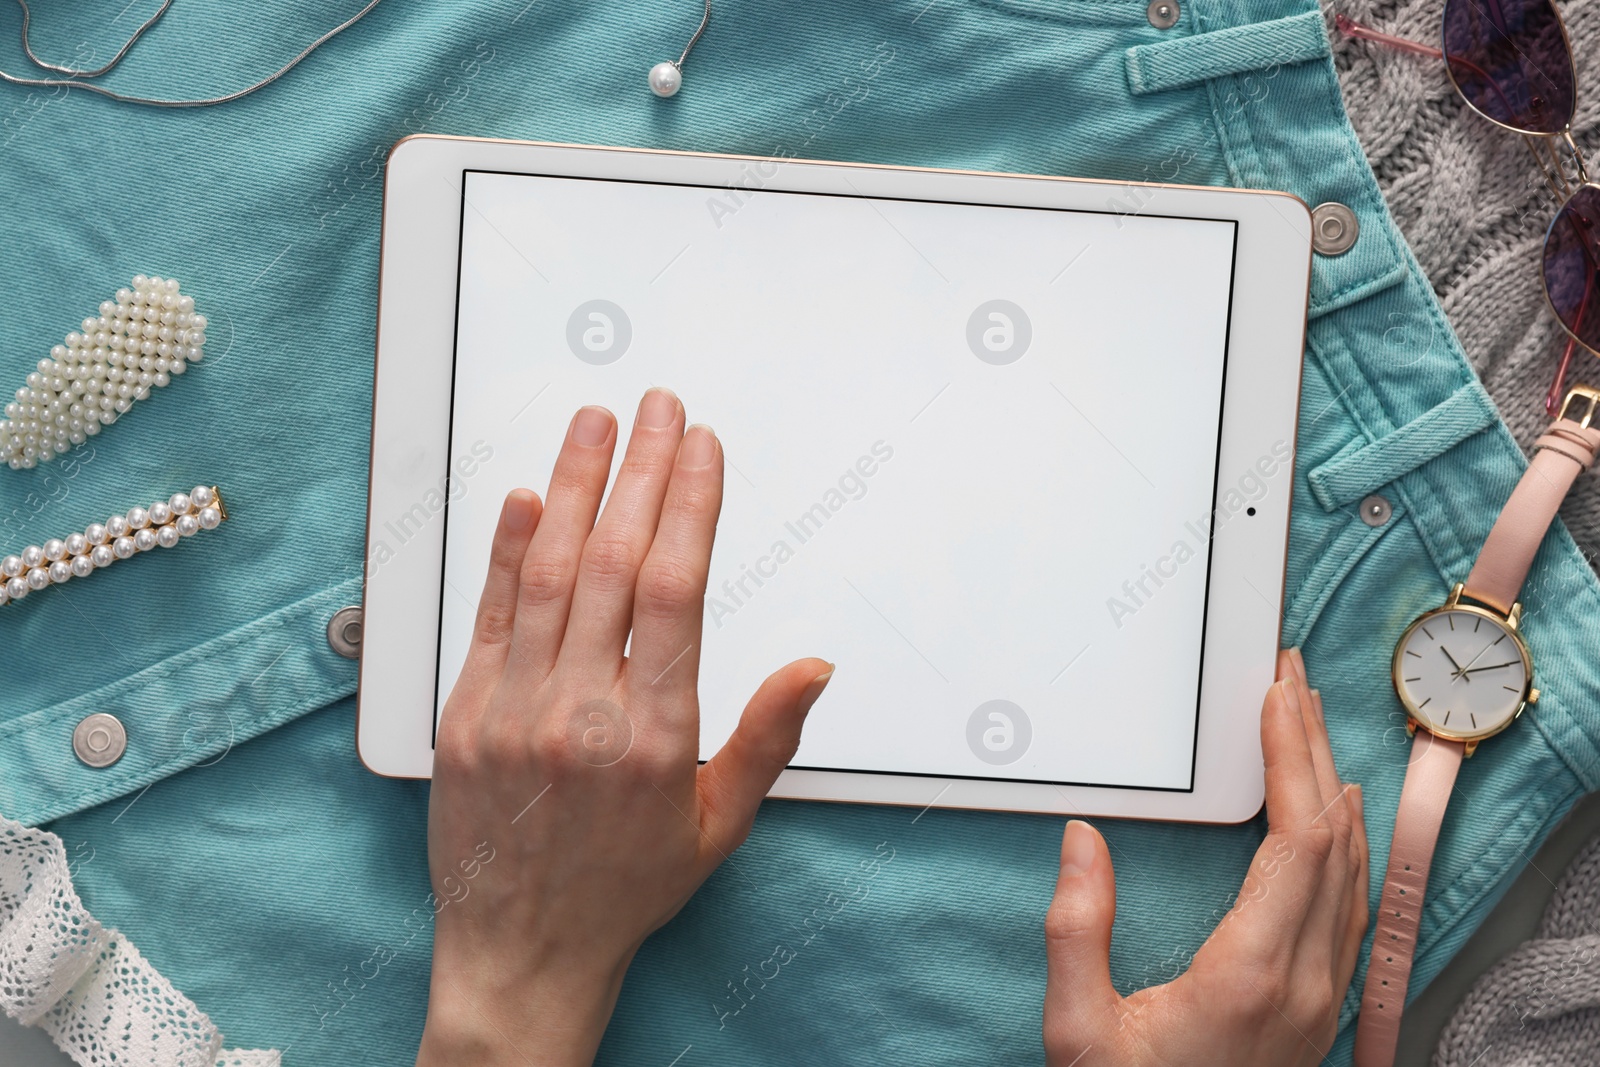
{"points": [[162, 524], [138, 342]]}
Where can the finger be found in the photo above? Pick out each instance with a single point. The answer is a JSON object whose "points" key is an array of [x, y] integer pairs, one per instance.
{"points": [[491, 629], [1355, 930], [1323, 935], [1285, 873], [550, 565], [733, 783], [1292, 794], [664, 662], [1340, 812], [497, 607], [1328, 785], [1322, 754], [602, 602], [1079, 999]]}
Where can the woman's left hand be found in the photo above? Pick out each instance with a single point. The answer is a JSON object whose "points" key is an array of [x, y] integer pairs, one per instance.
{"points": [[569, 817]]}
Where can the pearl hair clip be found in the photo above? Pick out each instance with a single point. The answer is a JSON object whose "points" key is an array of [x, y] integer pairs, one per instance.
{"points": [[139, 341], [164, 523], [666, 77]]}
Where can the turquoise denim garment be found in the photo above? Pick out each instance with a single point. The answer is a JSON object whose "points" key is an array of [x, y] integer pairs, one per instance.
{"points": [[240, 844]]}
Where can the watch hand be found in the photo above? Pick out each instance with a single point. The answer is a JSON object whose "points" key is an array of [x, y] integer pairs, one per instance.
{"points": [[1457, 673], [1479, 656], [1497, 666]]}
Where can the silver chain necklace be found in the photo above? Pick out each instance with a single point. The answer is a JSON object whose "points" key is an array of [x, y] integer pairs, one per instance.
{"points": [[72, 80], [666, 77]]}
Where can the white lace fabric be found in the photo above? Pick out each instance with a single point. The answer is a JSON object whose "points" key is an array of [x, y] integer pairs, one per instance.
{"points": [[85, 985]]}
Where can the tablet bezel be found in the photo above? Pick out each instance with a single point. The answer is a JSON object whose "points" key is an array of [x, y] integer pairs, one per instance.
{"points": [[411, 413]]}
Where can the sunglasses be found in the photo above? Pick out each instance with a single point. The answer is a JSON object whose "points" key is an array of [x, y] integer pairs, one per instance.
{"points": [[1512, 63]]}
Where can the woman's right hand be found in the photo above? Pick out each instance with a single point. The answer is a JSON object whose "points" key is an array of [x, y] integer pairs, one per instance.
{"points": [[1265, 988]]}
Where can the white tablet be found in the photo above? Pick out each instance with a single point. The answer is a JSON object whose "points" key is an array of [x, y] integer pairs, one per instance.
{"points": [[1014, 452]]}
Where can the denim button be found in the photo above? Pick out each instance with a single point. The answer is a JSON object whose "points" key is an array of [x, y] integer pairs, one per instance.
{"points": [[344, 632], [1375, 510], [1333, 228], [99, 740], [1163, 14]]}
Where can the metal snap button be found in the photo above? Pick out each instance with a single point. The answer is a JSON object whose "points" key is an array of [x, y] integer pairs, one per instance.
{"points": [[99, 740], [1375, 510], [344, 632], [1163, 14], [1333, 228]]}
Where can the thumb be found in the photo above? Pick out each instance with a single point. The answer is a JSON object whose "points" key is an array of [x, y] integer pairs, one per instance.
{"points": [[1079, 999], [733, 783]]}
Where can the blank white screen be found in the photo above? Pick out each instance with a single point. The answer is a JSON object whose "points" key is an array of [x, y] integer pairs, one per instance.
{"points": [[823, 336]]}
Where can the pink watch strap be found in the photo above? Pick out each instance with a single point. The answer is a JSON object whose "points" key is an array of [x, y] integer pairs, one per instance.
{"points": [[1429, 780], [1565, 450]]}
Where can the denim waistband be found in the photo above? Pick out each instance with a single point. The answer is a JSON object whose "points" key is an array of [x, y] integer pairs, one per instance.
{"points": [[1412, 419], [1390, 407]]}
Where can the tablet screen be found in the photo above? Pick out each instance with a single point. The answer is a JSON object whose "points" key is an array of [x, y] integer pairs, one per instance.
{"points": [[971, 450]]}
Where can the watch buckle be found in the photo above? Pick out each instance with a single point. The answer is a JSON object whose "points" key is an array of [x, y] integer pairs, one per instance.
{"points": [[1585, 392]]}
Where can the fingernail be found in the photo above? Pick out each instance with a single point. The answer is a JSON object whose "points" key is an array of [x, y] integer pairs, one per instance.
{"points": [[699, 448], [814, 690], [658, 409], [592, 427], [1316, 703], [1299, 662], [1077, 848], [1291, 696], [519, 510]]}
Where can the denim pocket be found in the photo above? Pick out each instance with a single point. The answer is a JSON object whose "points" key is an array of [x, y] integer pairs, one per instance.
{"points": [[1319, 541]]}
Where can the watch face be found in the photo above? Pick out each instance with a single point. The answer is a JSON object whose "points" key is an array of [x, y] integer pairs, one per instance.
{"points": [[1463, 672]]}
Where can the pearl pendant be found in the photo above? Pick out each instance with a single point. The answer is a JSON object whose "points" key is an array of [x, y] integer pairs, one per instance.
{"points": [[666, 79], [78, 555], [101, 372]]}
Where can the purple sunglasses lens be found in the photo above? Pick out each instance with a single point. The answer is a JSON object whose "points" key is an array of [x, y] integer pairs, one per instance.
{"points": [[1511, 61], [1572, 266]]}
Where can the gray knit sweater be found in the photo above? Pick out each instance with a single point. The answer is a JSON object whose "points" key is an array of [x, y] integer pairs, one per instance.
{"points": [[1471, 202], [1540, 1005]]}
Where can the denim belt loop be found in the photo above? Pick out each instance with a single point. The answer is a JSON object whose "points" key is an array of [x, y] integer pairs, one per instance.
{"points": [[1362, 468], [1185, 61], [1273, 111]]}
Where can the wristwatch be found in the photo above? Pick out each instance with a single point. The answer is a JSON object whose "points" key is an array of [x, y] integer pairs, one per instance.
{"points": [[1463, 671]]}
